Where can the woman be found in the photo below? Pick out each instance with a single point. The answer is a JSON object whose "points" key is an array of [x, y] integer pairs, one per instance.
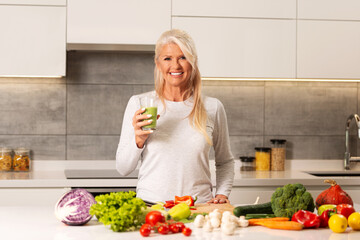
{"points": [[174, 159]]}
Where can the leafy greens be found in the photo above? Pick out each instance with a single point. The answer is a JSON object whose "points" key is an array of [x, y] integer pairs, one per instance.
{"points": [[123, 211]]}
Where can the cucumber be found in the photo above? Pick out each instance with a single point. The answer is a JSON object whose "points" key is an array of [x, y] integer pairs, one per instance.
{"points": [[254, 208]]}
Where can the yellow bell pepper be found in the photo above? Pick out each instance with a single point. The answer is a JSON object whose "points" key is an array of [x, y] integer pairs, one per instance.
{"points": [[180, 211]]}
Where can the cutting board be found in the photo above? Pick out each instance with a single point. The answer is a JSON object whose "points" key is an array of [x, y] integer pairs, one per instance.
{"points": [[209, 207]]}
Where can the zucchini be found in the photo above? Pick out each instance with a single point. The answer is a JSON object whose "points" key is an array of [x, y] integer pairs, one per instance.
{"points": [[253, 208], [259, 215]]}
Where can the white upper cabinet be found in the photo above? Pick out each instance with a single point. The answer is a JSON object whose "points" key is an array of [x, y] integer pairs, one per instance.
{"points": [[117, 22], [329, 9], [235, 47], [235, 8], [32, 41], [328, 49]]}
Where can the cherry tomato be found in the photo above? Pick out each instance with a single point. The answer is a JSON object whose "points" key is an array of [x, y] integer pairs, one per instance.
{"points": [[180, 225], [154, 217], [145, 230], [174, 228], [146, 225], [163, 229], [187, 231], [345, 209]]}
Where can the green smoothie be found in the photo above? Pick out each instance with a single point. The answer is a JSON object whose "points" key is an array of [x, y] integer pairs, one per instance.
{"points": [[153, 112]]}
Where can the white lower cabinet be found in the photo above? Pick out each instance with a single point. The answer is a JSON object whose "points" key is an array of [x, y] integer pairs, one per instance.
{"points": [[236, 47], [33, 40], [30, 196]]}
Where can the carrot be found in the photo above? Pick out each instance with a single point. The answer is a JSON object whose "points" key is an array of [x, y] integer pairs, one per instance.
{"points": [[284, 225], [254, 222]]}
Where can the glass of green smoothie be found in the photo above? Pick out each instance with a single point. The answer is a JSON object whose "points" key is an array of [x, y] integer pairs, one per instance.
{"points": [[150, 105]]}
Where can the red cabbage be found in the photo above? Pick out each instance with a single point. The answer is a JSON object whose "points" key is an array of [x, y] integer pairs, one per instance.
{"points": [[73, 207]]}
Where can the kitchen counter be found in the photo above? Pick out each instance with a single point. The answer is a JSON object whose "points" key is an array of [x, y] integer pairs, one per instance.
{"points": [[50, 174], [19, 223], [47, 180]]}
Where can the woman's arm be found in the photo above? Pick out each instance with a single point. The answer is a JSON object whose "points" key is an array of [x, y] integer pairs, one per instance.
{"points": [[128, 154], [224, 160]]}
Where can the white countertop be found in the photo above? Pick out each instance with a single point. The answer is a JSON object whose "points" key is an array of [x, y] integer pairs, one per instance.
{"points": [[19, 223]]}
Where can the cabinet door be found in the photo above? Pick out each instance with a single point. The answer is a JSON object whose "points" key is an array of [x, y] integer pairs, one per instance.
{"points": [[30, 196], [233, 47], [329, 9], [32, 40], [328, 49], [117, 22], [235, 8]]}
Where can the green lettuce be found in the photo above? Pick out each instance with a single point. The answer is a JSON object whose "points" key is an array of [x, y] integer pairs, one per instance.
{"points": [[123, 211]]}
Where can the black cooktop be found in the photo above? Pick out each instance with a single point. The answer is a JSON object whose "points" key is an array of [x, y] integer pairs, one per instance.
{"points": [[98, 174]]}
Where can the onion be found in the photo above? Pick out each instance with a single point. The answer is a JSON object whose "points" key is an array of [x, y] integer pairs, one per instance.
{"points": [[73, 207]]}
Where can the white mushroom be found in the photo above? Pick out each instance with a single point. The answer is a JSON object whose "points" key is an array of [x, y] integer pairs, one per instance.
{"points": [[215, 213], [199, 221], [228, 228], [243, 223], [215, 222], [207, 226]]}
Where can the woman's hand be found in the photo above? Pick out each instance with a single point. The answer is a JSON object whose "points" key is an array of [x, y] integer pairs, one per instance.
{"points": [[141, 135], [219, 199]]}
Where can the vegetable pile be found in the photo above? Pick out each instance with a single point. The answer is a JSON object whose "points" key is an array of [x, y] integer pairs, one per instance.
{"points": [[292, 201], [121, 210], [73, 207]]}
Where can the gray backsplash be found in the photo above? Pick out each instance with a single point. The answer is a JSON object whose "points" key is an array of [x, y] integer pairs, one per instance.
{"points": [[80, 117]]}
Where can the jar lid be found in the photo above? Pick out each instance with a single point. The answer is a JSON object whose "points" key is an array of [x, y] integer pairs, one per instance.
{"points": [[5, 150], [246, 159], [262, 149], [279, 141], [22, 151]]}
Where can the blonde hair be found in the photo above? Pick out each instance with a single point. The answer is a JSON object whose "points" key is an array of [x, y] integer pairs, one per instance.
{"points": [[198, 115]]}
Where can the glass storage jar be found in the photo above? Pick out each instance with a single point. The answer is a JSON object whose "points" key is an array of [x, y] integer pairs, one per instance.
{"points": [[21, 161], [5, 159], [247, 163], [278, 153], [262, 158]]}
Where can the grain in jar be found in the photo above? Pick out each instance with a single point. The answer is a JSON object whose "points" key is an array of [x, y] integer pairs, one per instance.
{"points": [[5, 159], [21, 161], [262, 158], [278, 153], [247, 163]]}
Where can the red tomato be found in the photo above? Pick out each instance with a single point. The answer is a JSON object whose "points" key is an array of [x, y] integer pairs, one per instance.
{"points": [[154, 217], [345, 209], [146, 225], [163, 229], [145, 230], [174, 228], [180, 225], [187, 231]]}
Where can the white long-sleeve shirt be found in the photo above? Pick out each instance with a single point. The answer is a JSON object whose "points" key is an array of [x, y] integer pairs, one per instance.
{"points": [[175, 158]]}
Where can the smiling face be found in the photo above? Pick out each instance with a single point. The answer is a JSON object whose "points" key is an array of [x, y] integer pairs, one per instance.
{"points": [[176, 70]]}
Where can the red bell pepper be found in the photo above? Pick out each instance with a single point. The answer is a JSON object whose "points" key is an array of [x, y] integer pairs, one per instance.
{"points": [[169, 204], [345, 209], [185, 199], [306, 218], [324, 217]]}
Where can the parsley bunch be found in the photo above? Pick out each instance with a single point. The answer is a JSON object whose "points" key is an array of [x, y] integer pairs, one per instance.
{"points": [[121, 210]]}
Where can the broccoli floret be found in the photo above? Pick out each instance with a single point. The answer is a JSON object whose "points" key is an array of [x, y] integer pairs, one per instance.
{"points": [[289, 199]]}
